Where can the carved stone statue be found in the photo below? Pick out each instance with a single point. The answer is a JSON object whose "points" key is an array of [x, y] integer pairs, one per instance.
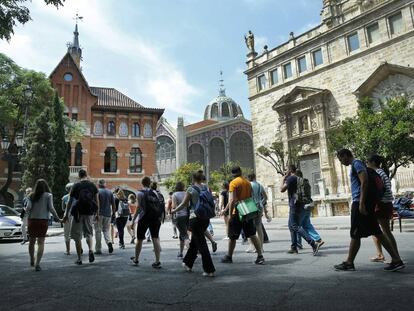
{"points": [[249, 39]]}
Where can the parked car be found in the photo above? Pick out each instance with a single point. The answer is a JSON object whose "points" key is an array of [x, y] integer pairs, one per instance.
{"points": [[10, 223]]}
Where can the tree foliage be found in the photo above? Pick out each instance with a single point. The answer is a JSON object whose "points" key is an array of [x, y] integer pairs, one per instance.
{"points": [[15, 11], [223, 174], [74, 130], [388, 132], [14, 102], [278, 157], [40, 153], [60, 161], [184, 174]]}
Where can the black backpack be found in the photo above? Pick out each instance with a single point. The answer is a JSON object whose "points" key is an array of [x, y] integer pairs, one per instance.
{"points": [[307, 189], [375, 188], [153, 205], [86, 203], [123, 209]]}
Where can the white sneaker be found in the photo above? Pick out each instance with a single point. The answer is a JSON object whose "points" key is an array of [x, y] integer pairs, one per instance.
{"points": [[186, 268], [249, 250], [211, 275]]}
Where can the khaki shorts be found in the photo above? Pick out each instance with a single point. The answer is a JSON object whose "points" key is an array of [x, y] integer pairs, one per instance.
{"points": [[83, 227], [67, 227]]}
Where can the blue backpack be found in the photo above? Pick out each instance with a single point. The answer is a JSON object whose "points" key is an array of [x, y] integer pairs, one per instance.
{"points": [[205, 207]]}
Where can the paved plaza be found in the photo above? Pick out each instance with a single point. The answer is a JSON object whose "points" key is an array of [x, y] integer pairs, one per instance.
{"points": [[286, 282]]}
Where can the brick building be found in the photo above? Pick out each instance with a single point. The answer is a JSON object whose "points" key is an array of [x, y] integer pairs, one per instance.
{"points": [[119, 143]]}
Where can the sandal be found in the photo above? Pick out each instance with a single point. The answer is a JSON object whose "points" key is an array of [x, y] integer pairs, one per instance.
{"points": [[378, 259]]}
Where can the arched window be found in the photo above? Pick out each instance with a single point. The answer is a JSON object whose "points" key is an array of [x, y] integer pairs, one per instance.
{"points": [[216, 154], [69, 153], [165, 148], [241, 149], [235, 111], [135, 160], [135, 129], [110, 160], [123, 129], [147, 130], [225, 111], [111, 128], [195, 154], [98, 128], [214, 111], [78, 154]]}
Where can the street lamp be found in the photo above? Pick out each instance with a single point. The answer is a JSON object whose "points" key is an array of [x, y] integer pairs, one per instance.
{"points": [[28, 93], [19, 141], [5, 144]]}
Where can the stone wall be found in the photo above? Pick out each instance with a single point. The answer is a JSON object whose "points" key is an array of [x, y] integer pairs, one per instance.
{"points": [[342, 72]]}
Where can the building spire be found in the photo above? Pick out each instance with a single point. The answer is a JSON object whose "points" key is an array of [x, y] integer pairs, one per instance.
{"points": [[222, 90], [74, 48]]}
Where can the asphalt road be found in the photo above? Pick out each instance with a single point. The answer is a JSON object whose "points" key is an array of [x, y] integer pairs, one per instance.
{"points": [[286, 282]]}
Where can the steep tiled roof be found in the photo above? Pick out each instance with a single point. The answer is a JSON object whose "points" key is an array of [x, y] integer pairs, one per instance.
{"points": [[199, 125], [110, 97], [113, 100]]}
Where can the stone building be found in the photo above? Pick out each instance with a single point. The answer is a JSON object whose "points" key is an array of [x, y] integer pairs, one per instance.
{"points": [[223, 136], [119, 144], [301, 89]]}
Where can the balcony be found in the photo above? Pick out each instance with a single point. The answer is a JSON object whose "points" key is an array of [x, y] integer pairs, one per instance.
{"points": [[74, 170]]}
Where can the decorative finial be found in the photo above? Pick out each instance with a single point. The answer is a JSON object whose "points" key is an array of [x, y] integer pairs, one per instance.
{"points": [[77, 17], [222, 90]]}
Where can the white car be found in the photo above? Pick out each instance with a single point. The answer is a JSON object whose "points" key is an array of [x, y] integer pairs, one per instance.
{"points": [[10, 223]]}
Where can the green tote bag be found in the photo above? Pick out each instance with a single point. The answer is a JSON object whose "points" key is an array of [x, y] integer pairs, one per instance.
{"points": [[247, 209]]}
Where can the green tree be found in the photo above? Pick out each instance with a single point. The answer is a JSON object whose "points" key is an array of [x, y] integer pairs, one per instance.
{"points": [[14, 11], [223, 174], [184, 174], [74, 130], [40, 153], [60, 161], [387, 131], [278, 157], [23, 95]]}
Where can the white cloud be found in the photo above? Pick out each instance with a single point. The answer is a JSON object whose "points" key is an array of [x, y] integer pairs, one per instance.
{"points": [[159, 77]]}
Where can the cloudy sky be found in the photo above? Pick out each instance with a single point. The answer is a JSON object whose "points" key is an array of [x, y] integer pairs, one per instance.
{"points": [[162, 53]]}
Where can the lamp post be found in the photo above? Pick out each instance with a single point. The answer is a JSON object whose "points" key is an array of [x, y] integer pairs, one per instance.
{"points": [[28, 93]]}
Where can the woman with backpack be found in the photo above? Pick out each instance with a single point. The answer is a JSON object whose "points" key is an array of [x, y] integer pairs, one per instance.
{"points": [[39, 205], [132, 204], [384, 209], [122, 215], [197, 226]]}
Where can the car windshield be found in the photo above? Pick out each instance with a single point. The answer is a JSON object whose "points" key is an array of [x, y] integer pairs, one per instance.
{"points": [[7, 211]]}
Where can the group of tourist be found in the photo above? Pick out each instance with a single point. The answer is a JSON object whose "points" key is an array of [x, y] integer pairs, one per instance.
{"points": [[88, 208]]}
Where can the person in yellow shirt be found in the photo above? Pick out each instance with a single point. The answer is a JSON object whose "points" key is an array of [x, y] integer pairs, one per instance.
{"points": [[239, 190]]}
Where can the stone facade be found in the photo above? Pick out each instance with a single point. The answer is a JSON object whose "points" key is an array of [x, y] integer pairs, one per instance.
{"points": [[301, 89]]}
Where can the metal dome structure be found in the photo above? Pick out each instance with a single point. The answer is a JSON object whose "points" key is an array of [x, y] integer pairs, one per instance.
{"points": [[222, 107]]}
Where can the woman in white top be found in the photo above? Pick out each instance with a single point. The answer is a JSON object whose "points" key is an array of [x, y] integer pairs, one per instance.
{"points": [[39, 205], [384, 210]]}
